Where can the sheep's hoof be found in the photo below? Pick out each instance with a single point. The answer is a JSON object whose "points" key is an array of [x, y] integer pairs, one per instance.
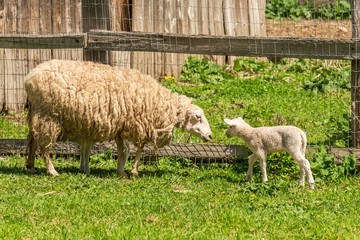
{"points": [[123, 175], [312, 186], [32, 170], [247, 179]]}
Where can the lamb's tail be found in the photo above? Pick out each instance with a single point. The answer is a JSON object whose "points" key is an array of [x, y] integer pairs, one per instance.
{"points": [[303, 142]]}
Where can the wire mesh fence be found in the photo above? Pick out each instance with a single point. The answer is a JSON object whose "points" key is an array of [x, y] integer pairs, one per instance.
{"points": [[265, 82]]}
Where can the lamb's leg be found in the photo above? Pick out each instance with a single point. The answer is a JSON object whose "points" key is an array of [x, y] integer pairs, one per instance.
{"points": [[123, 148], [31, 148], [302, 176], [309, 176], [135, 170], [251, 161], [304, 169], [262, 157], [49, 166], [84, 157], [263, 169]]}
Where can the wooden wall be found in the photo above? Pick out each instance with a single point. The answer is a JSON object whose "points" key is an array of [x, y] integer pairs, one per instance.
{"points": [[209, 17], [33, 17]]}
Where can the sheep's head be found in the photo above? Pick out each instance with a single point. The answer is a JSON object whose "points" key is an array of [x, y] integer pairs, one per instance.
{"points": [[197, 124], [234, 126]]}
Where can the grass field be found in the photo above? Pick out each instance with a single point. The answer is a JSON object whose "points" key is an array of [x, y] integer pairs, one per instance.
{"points": [[172, 200], [176, 199]]}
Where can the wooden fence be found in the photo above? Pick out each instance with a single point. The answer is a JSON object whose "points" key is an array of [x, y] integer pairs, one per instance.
{"points": [[73, 17]]}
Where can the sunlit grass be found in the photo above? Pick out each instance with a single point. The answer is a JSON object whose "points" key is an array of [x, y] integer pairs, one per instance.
{"points": [[172, 200]]}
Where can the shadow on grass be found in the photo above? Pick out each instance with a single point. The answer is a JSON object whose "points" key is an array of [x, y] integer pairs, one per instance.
{"points": [[72, 170]]}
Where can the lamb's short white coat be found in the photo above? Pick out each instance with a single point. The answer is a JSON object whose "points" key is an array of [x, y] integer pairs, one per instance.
{"points": [[264, 140]]}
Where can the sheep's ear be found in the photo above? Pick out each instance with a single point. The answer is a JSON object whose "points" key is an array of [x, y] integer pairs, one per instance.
{"points": [[240, 118], [190, 112], [228, 121]]}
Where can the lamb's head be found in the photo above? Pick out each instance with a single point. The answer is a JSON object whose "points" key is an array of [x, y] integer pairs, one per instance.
{"points": [[234, 126], [197, 124]]}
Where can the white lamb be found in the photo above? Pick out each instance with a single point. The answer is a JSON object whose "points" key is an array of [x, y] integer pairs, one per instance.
{"points": [[264, 140]]}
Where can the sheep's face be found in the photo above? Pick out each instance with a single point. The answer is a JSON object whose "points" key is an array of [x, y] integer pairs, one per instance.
{"points": [[197, 124], [233, 126]]}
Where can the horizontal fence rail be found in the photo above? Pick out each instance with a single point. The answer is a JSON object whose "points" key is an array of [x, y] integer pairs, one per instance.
{"points": [[53, 41], [200, 153], [102, 40], [225, 45], [197, 152]]}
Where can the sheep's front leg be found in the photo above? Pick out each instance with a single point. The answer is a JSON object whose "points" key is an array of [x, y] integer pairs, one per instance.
{"points": [[249, 173], [123, 148], [135, 170], [84, 157]]}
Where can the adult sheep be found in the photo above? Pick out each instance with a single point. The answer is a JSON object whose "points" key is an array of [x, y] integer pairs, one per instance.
{"points": [[86, 102]]}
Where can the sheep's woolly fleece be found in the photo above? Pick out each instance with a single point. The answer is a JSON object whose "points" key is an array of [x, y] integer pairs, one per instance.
{"points": [[97, 102]]}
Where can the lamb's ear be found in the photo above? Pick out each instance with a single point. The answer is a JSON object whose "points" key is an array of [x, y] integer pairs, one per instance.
{"points": [[163, 136], [228, 121]]}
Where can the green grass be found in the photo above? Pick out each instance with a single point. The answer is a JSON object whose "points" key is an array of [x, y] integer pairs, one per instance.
{"points": [[172, 200], [13, 126]]}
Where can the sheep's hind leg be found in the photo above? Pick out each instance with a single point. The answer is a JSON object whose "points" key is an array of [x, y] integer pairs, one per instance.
{"points": [[45, 130], [251, 161], [49, 166], [135, 170], [31, 148], [123, 154]]}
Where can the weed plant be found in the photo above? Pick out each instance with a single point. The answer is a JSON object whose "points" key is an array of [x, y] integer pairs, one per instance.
{"points": [[291, 9]]}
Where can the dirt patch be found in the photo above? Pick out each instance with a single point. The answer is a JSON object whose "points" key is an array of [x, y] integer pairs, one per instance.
{"points": [[330, 29]]}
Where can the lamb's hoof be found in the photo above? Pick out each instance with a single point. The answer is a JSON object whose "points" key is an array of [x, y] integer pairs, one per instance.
{"points": [[135, 174], [312, 186], [53, 173], [32, 170]]}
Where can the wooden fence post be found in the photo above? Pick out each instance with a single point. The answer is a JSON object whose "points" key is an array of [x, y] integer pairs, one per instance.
{"points": [[355, 77], [96, 16]]}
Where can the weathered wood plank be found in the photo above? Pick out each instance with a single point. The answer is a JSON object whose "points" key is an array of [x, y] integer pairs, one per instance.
{"points": [[355, 77], [225, 45], [120, 21], [195, 152], [53, 41], [209, 152], [95, 15]]}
